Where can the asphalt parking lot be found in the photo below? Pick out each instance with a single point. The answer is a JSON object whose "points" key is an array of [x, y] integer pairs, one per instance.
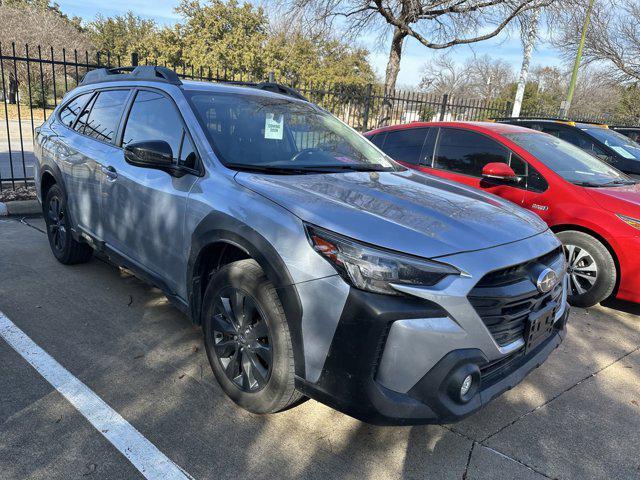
{"points": [[576, 417]]}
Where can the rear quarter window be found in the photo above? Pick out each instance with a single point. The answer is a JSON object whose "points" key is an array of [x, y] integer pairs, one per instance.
{"points": [[71, 110]]}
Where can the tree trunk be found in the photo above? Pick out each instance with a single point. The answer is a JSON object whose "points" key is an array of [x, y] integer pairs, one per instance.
{"points": [[529, 35], [13, 91], [391, 76]]}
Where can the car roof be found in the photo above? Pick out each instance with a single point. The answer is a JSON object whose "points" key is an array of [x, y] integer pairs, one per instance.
{"points": [[484, 127], [193, 85], [230, 88], [556, 121], [143, 75]]}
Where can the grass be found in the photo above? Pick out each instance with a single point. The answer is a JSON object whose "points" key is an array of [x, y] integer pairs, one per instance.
{"points": [[25, 113]]}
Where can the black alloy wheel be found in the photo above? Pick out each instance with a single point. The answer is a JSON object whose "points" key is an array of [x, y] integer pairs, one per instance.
{"points": [[57, 223], [64, 247], [241, 340]]}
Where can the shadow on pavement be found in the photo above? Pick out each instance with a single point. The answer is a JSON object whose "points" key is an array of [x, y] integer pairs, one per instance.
{"points": [[574, 417]]}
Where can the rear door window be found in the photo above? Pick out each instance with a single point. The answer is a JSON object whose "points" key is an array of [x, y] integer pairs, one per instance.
{"points": [[105, 114], [462, 151], [406, 145], [71, 110], [84, 116]]}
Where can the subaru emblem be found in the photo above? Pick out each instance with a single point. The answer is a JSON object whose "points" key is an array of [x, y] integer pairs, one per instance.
{"points": [[547, 280]]}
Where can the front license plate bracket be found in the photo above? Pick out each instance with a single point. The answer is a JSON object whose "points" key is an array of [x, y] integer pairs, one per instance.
{"points": [[539, 326]]}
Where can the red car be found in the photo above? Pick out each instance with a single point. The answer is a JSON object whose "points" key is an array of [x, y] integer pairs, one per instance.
{"points": [[593, 208]]}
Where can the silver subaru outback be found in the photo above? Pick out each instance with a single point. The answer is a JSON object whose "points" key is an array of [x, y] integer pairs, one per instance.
{"points": [[316, 265]]}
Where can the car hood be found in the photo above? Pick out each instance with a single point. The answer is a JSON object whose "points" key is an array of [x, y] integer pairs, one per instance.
{"points": [[404, 211], [624, 199]]}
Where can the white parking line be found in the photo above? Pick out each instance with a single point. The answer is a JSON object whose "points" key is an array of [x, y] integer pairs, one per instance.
{"points": [[143, 454]]}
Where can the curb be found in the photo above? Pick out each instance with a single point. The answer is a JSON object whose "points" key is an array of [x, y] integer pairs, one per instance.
{"points": [[20, 207]]}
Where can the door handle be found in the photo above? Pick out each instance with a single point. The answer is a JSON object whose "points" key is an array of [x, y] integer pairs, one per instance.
{"points": [[109, 172]]}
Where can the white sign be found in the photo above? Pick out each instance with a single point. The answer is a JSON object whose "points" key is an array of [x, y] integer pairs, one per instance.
{"points": [[622, 151], [273, 126]]}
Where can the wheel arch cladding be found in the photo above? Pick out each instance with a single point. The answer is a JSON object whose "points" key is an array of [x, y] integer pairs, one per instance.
{"points": [[50, 176], [219, 234]]}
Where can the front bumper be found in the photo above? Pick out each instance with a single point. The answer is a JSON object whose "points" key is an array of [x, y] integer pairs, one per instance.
{"points": [[349, 379], [629, 287], [394, 359]]}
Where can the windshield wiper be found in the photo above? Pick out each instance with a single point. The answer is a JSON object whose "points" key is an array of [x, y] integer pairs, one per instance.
{"points": [[618, 182], [605, 184], [349, 167], [306, 170], [267, 169], [587, 184]]}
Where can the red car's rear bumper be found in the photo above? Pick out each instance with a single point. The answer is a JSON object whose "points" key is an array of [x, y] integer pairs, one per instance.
{"points": [[629, 256]]}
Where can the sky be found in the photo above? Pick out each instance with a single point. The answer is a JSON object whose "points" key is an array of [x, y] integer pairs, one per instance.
{"points": [[414, 58]]}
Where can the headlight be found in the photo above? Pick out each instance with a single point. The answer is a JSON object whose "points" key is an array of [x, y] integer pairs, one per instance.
{"points": [[635, 223], [373, 269]]}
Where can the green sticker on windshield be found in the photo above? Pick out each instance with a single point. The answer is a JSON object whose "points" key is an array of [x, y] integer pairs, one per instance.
{"points": [[273, 126]]}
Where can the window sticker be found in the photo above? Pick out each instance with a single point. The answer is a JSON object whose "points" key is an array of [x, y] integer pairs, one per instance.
{"points": [[273, 126], [622, 151]]}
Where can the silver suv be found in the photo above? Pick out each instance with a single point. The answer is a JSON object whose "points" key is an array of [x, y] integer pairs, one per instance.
{"points": [[315, 264]]}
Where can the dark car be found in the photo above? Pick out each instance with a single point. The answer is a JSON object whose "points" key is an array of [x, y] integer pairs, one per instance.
{"points": [[632, 132], [614, 148]]}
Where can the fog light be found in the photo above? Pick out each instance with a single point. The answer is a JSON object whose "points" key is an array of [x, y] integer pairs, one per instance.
{"points": [[466, 386]]}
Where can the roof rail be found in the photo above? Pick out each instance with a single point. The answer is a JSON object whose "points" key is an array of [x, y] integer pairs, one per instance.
{"points": [[166, 75], [141, 72], [270, 87], [281, 89]]}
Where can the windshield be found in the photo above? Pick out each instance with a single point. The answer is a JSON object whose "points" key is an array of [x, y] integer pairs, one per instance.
{"points": [[623, 146], [278, 135], [570, 162]]}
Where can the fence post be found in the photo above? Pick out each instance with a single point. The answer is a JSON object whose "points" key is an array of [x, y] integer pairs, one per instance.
{"points": [[367, 107], [443, 107], [272, 77], [134, 59]]}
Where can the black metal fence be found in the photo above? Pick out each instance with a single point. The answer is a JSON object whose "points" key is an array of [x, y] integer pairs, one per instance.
{"points": [[35, 79], [603, 118]]}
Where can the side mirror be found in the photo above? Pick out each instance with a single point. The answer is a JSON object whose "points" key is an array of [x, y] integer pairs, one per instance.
{"points": [[150, 154], [499, 171]]}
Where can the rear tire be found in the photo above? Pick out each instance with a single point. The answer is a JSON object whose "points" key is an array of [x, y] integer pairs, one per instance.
{"points": [[63, 246], [247, 339], [591, 269]]}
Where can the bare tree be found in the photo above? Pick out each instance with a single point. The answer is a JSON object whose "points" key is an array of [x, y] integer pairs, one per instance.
{"points": [[613, 37], [35, 25], [480, 77], [436, 24], [444, 76]]}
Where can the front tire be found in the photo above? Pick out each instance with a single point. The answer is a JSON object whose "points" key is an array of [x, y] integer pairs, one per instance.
{"points": [[247, 339], [591, 269], [63, 246]]}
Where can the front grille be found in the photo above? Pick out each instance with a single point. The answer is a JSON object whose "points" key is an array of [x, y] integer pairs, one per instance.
{"points": [[492, 372], [497, 369], [505, 298]]}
